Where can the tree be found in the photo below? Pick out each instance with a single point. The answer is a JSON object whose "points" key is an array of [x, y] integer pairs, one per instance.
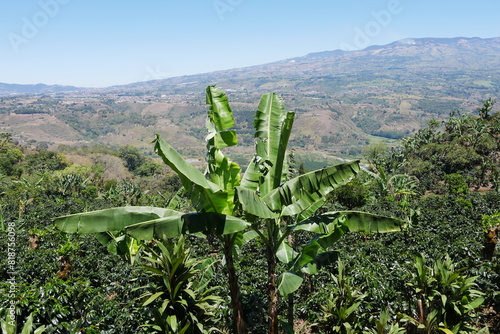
{"points": [[44, 161], [273, 203], [149, 168], [485, 109], [132, 158], [9, 157], [278, 205]]}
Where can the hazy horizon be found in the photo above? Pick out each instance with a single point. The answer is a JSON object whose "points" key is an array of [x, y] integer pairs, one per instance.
{"points": [[91, 44]]}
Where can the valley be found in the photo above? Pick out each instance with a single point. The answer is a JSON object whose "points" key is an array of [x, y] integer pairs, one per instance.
{"points": [[343, 100]]}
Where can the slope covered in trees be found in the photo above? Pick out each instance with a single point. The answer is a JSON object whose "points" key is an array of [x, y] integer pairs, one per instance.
{"points": [[435, 274]]}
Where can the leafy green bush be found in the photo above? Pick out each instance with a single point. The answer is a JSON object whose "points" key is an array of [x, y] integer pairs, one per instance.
{"points": [[179, 297], [456, 183], [340, 313], [447, 296]]}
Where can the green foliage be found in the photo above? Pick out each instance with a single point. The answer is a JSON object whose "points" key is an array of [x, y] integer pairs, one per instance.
{"points": [[340, 314], [10, 156], [138, 163], [485, 110], [376, 154], [71, 183], [68, 248], [178, 296], [149, 168], [489, 221], [121, 244], [72, 306], [44, 161], [383, 326], [123, 193], [132, 157], [449, 297], [456, 183]]}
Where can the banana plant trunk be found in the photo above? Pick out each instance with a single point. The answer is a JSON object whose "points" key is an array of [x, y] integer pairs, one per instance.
{"points": [[272, 290], [234, 290], [291, 306]]}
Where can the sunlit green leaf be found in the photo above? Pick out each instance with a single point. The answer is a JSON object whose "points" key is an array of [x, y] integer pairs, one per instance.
{"points": [[27, 325], [354, 220], [273, 125], [115, 219], [289, 282], [285, 252], [298, 194], [220, 113], [251, 203], [152, 298]]}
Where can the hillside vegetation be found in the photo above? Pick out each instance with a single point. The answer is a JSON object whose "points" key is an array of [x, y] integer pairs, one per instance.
{"points": [[343, 100], [291, 261]]}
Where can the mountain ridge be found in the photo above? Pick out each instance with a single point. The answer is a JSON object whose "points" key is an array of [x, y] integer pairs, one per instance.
{"points": [[343, 100], [41, 88]]}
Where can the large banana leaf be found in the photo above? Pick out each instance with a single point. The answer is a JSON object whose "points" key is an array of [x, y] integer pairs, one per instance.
{"points": [[205, 194], [162, 228], [190, 175], [213, 223], [355, 221], [329, 228], [301, 193], [311, 209], [222, 139], [273, 125], [115, 219], [201, 222], [289, 282], [226, 174], [219, 112], [222, 172], [251, 203]]}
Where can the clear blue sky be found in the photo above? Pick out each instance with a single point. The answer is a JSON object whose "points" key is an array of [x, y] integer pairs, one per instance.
{"points": [[94, 43]]}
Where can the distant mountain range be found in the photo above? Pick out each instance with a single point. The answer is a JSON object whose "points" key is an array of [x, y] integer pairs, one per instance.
{"points": [[411, 60], [343, 99], [17, 89], [416, 62]]}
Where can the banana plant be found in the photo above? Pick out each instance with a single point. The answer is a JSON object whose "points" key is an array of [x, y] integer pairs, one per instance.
{"points": [[212, 195], [278, 205], [272, 203]]}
